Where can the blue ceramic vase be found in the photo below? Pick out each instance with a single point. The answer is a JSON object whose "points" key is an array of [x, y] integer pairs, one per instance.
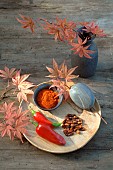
{"points": [[86, 66]]}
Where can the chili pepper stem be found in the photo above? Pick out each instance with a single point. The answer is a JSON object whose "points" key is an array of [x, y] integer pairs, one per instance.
{"points": [[32, 111], [34, 123], [56, 124]]}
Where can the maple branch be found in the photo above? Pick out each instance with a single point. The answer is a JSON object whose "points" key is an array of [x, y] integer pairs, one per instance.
{"points": [[7, 89], [4, 97], [102, 118], [41, 19], [20, 103], [67, 86]]}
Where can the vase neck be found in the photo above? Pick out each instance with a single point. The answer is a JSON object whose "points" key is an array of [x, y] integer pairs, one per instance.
{"points": [[84, 34]]}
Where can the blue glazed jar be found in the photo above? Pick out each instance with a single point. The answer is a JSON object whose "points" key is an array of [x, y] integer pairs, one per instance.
{"points": [[86, 66]]}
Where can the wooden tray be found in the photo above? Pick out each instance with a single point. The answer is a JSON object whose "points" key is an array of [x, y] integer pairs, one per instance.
{"points": [[77, 141]]}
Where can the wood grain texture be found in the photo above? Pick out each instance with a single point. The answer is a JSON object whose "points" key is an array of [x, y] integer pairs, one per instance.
{"points": [[32, 52]]}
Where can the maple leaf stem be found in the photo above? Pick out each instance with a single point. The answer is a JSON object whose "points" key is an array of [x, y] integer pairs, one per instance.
{"points": [[67, 86], [41, 19], [4, 97], [20, 103], [8, 83]]}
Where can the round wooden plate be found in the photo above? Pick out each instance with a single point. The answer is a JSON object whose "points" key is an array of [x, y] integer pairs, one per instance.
{"points": [[77, 141]]}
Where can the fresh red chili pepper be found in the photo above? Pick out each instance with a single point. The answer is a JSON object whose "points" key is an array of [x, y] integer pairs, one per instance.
{"points": [[40, 118], [46, 132]]}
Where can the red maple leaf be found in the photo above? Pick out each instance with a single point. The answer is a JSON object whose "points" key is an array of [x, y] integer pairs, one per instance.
{"points": [[84, 23], [95, 29], [70, 35], [67, 28], [54, 29], [7, 73], [62, 23], [61, 29], [80, 49], [27, 22]]}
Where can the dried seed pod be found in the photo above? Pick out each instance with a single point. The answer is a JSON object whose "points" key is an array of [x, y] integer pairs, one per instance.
{"points": [[64, 121], [75, 129], [83, 129], [72, 124], [70, 134], [78, 132]]}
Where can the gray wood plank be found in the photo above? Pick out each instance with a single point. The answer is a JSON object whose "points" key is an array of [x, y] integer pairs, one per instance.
{"points": [[35, 159], [32, 52]]}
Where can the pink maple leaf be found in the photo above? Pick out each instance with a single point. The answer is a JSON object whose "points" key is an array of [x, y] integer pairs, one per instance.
{"points": [[14, 122], [54, 71], [18, 79], [7, 107], [6, 130], [7, 73], [67, 74], [20, 82], [23, 94], [22, 120], [22, 85], [62, 88]]}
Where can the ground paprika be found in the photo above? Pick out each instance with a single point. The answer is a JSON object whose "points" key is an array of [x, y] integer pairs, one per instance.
{"points": [[47, 98]]}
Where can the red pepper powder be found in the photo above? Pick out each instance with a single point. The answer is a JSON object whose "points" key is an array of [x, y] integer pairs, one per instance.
{"points": [[47, 98]]}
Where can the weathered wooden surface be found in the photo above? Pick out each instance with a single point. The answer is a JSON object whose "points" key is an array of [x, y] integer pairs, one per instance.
{"points": [[20, 49]]}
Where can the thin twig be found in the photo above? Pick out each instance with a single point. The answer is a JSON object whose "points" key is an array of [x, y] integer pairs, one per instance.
{"points": [[93, 109], [5, 91], [102, 118], [20, 103]]}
